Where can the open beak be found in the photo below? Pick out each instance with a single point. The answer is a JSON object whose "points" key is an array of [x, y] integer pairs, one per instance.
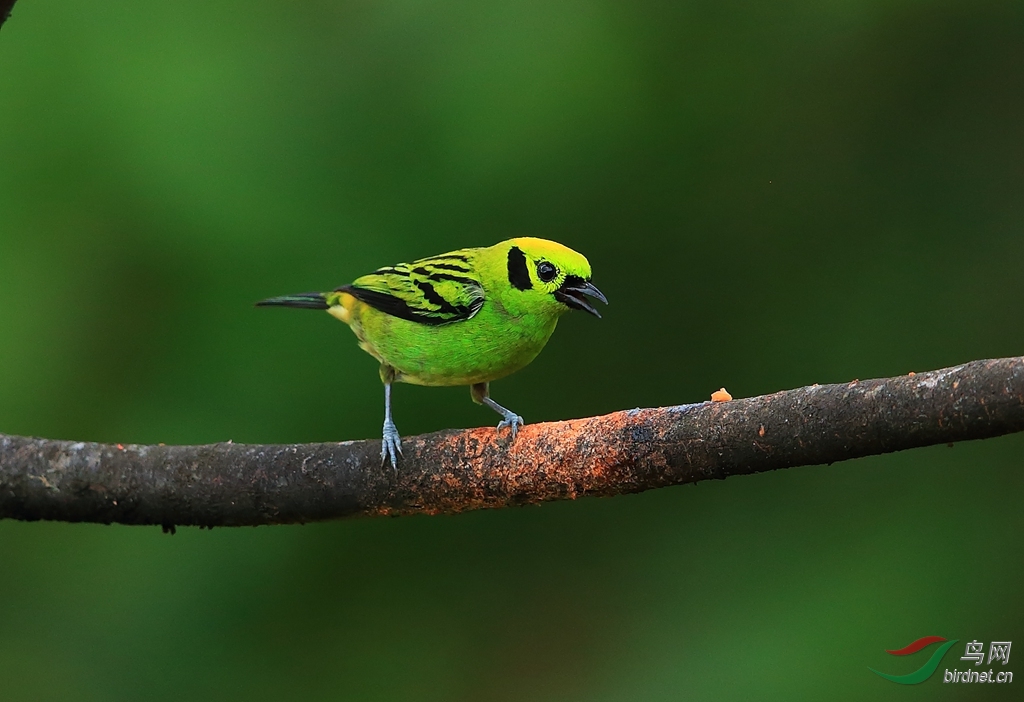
{"points": [[574, 293]]}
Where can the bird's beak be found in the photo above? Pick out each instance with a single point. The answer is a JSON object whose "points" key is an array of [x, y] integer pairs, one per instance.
{"points": [[574, 292]]}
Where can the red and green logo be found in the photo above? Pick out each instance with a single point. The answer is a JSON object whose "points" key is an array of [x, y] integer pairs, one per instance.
{"points": [[926, 670]]}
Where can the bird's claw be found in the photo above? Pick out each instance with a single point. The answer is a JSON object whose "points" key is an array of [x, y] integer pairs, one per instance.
{"points": [[513, 421], [391, 446]]}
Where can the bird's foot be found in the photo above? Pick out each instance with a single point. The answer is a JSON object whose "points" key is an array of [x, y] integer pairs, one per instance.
{"points": [[511, 420], [391, 446]]}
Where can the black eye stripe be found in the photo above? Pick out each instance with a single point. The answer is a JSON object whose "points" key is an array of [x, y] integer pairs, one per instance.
{"points": [[518, 273]]}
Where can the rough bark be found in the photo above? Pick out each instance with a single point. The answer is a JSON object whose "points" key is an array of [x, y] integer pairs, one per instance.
{"points": [[452, 471]]}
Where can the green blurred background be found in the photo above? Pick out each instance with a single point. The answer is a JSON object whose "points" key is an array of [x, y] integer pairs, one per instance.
{"points": [[771, 195]]}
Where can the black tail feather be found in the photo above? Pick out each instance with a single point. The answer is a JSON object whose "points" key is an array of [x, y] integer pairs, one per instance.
{"points": [[306, 301]]}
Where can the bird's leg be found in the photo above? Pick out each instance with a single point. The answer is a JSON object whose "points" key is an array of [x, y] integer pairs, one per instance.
{"points": [[481, 395], [392, 442]]}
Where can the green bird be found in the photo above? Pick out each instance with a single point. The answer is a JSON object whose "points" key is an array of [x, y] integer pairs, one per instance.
{"points": [[467, 317]]}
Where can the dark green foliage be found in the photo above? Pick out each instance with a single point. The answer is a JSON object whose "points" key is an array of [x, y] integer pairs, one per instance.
{"points": [[771, 195]]}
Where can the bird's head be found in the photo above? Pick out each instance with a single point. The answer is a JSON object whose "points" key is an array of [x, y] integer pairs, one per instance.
{"points": [[551, 274]]}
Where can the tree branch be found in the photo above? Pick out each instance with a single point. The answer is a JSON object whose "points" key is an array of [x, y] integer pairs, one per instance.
{"points": [[452, 471], [5, 10]]}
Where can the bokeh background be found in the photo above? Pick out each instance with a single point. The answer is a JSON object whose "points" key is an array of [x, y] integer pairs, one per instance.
{"points": [[771, 195]]}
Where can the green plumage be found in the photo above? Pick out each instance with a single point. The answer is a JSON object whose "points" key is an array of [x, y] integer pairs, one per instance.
{"points": [[432, 291], [462, 318]]}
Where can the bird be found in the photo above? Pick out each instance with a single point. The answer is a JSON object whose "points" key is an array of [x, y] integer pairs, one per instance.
{"points": [[467, 317]]}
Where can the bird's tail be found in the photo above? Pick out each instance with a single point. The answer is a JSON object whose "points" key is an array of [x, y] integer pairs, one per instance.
{"points": [[306, 301]]}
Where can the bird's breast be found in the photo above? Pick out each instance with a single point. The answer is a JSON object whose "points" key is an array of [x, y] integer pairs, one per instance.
{"points": [[488, 346]]}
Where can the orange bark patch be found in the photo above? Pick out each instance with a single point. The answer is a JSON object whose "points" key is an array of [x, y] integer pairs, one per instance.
{"points": [[721, 395], [562, 460]]}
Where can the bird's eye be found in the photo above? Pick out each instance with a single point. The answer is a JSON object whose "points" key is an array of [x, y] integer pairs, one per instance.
{"points": [[546, 271]]}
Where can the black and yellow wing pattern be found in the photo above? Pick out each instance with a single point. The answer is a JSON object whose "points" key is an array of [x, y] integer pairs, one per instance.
{"points": [[434, 291]]}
